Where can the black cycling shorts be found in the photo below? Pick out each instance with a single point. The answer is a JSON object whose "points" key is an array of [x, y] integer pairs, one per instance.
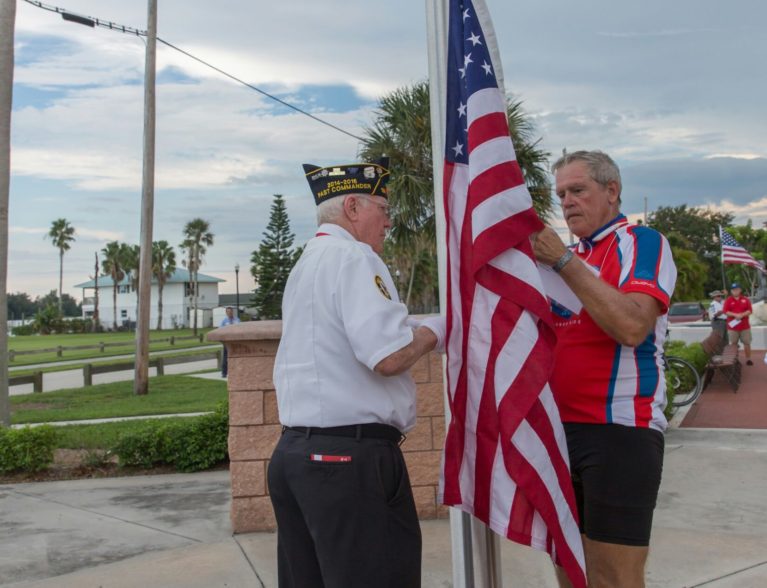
{"points": [[616, 472]]}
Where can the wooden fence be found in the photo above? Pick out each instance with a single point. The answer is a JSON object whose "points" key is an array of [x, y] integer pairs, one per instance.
{"points": [[92, 369], [59, 351]]}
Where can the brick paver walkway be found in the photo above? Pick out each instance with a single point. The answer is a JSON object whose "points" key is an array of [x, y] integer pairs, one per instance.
{"points": [[718, 407]]}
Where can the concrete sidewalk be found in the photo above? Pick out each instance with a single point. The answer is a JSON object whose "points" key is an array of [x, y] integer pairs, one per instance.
{"points": [[173, 531]]}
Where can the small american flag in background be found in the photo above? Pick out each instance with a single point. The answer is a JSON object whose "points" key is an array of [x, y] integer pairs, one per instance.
{"points": [[734, 252], [505, 456]]}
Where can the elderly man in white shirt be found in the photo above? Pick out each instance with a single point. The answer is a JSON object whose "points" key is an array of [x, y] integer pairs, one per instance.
{"points": [[716, 313], [337, 479]]}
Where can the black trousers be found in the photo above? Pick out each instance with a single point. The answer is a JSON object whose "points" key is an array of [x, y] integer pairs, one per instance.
{"points": [[345, 513]]}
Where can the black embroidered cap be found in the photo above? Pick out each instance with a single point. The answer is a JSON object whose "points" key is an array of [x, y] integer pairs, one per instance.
{"points": [[354, 178]]}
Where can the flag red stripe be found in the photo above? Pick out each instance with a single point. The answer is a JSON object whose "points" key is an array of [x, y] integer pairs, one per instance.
{"points": [[485, 128]]}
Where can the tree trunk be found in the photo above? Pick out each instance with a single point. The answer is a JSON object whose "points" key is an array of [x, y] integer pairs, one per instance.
{"points": [[61, 282], [114, 300], [194, 300], [96, 297], [160, 285]]}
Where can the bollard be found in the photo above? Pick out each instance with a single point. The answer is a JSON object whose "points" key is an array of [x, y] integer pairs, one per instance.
{"points": [[101, 346], [160, 366], [173, 340], [201, 336], [219, 359], [11, 355], [87, 375], [37, 385], [59, 349]]}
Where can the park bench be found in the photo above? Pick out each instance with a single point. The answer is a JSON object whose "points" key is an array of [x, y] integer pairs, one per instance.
{"points": [[722, 358]]}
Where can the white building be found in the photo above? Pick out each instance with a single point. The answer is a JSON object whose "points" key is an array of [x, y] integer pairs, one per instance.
{"points": [[177, 301]]}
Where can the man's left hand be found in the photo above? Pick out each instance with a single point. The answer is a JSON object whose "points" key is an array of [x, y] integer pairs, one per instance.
{"points": [[547, 246]]}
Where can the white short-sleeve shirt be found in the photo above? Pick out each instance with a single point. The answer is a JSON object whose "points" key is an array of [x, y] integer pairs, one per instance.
{"points": [[341, 315]]}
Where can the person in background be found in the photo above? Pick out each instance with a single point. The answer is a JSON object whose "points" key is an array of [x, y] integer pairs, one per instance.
{"points": [[608, 379], [716, 313], [338, 481], [229, 319], [738, 308]]}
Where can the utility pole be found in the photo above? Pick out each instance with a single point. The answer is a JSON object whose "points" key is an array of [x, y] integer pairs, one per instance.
{"points": [[7, 25], [645, 211], [141, 372]]}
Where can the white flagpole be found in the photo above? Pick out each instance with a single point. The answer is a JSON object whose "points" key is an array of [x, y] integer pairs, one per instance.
{"points": [[465, 531]]}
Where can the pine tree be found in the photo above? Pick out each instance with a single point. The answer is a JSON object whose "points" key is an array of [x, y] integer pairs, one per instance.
{"points": [[272, 262]]}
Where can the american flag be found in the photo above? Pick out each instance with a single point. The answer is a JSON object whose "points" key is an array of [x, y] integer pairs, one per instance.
{"points": [[505, 456], [734, 252]]}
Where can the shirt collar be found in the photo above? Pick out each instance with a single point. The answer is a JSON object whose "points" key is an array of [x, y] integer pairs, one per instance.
{"points": [[334, 230], [608, 229]]}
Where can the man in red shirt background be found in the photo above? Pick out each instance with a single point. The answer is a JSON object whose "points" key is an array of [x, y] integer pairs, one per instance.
{"points": [[738, 308]]}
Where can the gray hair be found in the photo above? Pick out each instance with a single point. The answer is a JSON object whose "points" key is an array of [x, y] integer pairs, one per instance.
{"points": [[602, 168], [330, 210]]}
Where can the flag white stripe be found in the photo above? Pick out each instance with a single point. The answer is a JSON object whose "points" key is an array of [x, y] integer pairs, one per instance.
{"points": [[499, 207], [488, 155], [484, 102]]}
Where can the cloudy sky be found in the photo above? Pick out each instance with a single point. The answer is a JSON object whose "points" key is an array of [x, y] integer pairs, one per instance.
{"points": [[675, 91]]}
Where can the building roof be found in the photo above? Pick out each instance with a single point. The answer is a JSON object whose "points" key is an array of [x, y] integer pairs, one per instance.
{"points": [[179, 276]]}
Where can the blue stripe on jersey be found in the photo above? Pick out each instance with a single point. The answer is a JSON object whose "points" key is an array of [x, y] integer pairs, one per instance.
{"points": [[647, 369], [647, 254], [611, 386]]}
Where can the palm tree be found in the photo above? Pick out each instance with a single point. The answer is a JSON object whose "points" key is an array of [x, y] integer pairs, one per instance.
{"points": [[61, 234], [113, 263], [197, 239], [163, 266], [402, 131]]}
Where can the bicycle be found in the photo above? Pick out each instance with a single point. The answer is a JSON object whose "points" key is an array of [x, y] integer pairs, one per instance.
{"points": [[682, 381]]}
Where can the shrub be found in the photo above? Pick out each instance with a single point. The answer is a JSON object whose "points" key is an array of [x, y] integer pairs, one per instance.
{"points": [[145, 448], [694, 354], [191, 445], [29, 449], [201, 443], [24, 330]]}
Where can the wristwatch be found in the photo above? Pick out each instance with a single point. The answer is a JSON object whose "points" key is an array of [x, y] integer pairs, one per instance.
{"points": [[563, 261]]}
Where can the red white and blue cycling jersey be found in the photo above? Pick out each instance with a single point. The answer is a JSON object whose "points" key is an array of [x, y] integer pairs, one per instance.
{"points": [[595, 378]]}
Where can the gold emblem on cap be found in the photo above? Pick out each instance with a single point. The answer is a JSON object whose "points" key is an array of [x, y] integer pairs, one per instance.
{"points": [[382, 287]]}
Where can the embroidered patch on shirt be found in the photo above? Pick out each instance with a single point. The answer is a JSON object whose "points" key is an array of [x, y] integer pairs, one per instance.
{"points": [[382, 287], [330, 458]]}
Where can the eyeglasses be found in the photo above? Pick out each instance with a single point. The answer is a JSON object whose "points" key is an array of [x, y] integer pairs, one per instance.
{"points": [[385, 208]]}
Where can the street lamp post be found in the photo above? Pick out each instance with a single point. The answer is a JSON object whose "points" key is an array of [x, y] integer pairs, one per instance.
{"points": [[237, 286]]}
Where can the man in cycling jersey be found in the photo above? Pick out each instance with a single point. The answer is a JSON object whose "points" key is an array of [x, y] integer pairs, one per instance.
{"points": [[608, 376]]}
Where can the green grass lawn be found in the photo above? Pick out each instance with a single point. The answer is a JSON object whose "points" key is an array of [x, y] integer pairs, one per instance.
{"points": [[167, 395], [37, 342]]}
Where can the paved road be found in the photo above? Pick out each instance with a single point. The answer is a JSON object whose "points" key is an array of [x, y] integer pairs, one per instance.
{"points": [[32, 366], [74, 378]]}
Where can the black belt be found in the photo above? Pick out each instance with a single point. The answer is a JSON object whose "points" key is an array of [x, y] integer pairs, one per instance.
{"points": [[368, 431]]}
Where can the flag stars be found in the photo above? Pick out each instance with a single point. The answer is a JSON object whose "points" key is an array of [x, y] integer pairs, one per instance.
{"points": [[458, 149], [488, 69], [474, 40], [462, 70], [467, 60], [466, 14], [461, 110]]}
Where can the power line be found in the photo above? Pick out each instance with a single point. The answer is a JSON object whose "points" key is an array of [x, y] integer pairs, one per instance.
{"points": [[93, 22], [252, 87]]}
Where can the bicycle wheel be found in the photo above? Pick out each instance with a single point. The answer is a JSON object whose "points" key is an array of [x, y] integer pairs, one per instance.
{"points": [[682, 381]]}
